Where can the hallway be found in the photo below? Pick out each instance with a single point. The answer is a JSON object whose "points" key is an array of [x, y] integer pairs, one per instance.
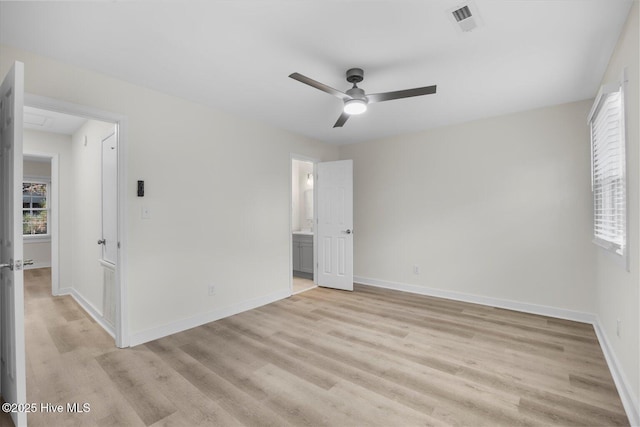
{"points": [[62, 343]]}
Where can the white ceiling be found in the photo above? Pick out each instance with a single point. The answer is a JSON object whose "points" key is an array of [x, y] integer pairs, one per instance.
{"points": [[236, 55], [51, 121]]}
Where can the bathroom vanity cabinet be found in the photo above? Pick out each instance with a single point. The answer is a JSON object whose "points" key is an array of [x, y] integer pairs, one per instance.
{"points": [[303, 255]]}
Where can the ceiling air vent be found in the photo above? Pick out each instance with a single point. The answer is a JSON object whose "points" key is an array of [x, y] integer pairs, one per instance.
{"points": [[465, 17]]}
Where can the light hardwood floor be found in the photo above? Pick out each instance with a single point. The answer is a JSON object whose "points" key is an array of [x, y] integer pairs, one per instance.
{"points": [[300, 284], [368, 358]]}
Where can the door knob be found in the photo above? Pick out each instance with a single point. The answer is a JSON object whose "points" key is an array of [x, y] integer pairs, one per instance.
{"points": [[102, 241], [348, 231]]}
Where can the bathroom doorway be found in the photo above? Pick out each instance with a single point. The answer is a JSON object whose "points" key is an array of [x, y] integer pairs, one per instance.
{"points": [[302, 219]]}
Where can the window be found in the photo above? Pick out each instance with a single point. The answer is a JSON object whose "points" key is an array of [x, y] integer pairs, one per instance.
{"points": [[608, 175], [35, 208]]}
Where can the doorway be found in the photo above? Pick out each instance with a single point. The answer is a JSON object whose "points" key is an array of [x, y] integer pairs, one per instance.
{"points": [[82, 265], [302, 220]]}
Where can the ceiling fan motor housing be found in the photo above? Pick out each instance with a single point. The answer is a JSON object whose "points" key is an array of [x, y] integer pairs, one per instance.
{"points": [[356, 93], [355, 75]]}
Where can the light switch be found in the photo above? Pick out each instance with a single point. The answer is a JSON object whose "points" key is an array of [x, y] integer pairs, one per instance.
{"points": [[146, 213]]}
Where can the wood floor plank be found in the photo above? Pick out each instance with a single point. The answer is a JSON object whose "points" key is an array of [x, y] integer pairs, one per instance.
{"points": [[324, 358], [132, 373], [243, 407]]}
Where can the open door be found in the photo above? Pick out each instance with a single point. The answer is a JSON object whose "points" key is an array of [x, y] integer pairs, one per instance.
{"points": [[335, 224], [12, 350]]}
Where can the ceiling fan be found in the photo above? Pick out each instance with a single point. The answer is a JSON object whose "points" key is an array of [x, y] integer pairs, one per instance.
{"points": [[355, 100]]}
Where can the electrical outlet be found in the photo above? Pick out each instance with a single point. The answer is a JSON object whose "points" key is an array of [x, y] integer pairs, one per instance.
{"points": [[416, 269], [212, 290], [145, 213], [618, 327]]}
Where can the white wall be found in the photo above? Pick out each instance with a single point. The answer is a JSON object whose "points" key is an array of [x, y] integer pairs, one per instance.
{"points": [[36, 168], [498, 208], [218, 190], [53, 143], [300, 185], [37, 250], [617, 288], [86, 212]]}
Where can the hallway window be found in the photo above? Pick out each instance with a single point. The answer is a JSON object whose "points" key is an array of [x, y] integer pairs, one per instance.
{"points": [[35, 208]]}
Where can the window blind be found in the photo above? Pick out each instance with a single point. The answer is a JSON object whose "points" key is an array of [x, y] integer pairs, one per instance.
{"points": [[608, 169]]}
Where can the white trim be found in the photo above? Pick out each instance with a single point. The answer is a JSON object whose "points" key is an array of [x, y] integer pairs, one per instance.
{"points": [[37, 265], [203, 318], [63, 291], [107, 264], [123, 336], [122, 321], [627, 396], [629, 400], [34, 178], [55, 223], [542, 310], [304, 290], [36, 238], [91, 310]]}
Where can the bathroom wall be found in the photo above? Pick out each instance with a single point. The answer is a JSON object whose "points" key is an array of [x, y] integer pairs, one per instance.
{"points": [[300, 184], [295, 195]]}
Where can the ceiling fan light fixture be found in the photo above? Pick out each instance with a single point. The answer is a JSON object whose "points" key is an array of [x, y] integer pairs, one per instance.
{"points": [[355, 106]]}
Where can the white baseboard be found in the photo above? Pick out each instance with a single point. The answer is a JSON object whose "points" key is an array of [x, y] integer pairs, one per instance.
{"points": [[91, 309], [629, 400], [542, 310], [63, 291], [201, 319]]}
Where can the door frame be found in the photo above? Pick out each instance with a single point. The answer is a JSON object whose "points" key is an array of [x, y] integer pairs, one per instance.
{"points": [[54, 220], [302, 158], [121, 122]]}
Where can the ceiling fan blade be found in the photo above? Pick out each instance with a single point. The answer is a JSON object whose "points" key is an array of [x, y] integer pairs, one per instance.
{"points": [[341, 120], [407, 93], [323, 87]]}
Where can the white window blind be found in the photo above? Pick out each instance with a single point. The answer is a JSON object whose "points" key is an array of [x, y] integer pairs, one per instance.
{"points": [[608, 169]]}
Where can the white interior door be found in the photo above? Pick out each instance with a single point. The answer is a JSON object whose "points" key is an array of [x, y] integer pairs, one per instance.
{"points": [[335, 224], [12, 351], [110, 199]]}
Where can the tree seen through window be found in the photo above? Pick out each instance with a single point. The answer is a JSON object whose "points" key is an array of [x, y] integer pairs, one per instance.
{"points": [[34, 209]]}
